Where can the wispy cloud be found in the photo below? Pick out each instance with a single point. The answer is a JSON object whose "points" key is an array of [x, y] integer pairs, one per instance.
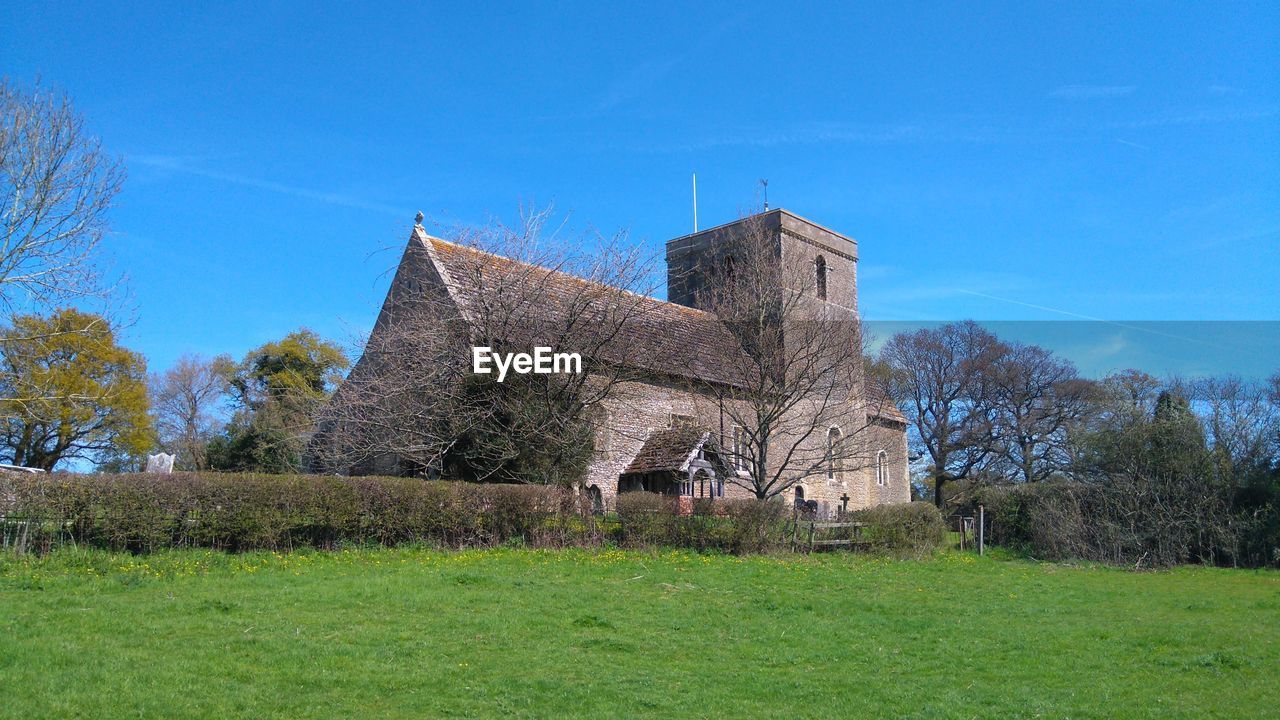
{"points": [[839, 133], [1086, 92], [189, 166], [635, 83], [1204, 117], [1132, 144], [1109, 347], [643, 77]]}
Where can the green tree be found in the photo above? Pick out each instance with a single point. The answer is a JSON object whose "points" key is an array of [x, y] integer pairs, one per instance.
{"points": [[1159, 495], [497, 447], [68, 391], [277, 389]]}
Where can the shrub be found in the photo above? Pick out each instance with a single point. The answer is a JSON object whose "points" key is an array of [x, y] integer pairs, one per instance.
{"points": [[912, 527], [141, 513], [756, 526], [648, 519], [240, 512], [1153, 519]]}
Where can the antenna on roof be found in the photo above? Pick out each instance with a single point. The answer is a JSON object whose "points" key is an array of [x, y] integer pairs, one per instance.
{"points": [[695, 202], [765, 184]]}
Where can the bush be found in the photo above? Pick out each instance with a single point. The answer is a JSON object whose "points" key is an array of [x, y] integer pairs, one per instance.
{"points": [[142, 513], [756, 526], [648, 519], [912, 527], [731, 526], [1135, 520]]}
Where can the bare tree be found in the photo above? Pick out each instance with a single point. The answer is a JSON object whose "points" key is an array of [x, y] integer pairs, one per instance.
{"points": [[793, 401], [56, 186], [945, 375], [185, 402], [1241, 420], [1037, 398], [413, 395]]}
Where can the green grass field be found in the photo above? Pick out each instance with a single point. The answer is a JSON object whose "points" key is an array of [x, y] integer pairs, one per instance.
{"points": [[419, 633]]}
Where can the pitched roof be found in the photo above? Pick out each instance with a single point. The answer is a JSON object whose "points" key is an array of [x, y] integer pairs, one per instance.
{"points": [[669, 450], [880, 406], [653, 334], [659, 336]]}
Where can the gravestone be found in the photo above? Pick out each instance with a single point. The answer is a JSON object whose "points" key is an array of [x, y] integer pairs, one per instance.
{"points": [[161, 464]]}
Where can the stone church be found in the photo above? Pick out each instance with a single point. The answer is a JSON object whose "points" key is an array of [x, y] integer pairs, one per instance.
{"points": [[666, 432]]}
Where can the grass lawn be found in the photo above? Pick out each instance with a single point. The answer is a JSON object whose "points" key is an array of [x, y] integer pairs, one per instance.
{"points": [[417, 633]]}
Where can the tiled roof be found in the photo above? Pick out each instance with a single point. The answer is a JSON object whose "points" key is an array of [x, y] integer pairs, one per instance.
{"points": [[655, 335], [652, 334], [879, 406], [668, 450]]}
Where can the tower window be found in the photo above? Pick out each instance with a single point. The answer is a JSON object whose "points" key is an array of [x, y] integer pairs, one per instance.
{"points": [[820, 272], [882, 469]]}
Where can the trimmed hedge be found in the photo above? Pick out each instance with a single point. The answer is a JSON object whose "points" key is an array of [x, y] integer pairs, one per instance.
{"points": [[733, 526], [239, 512], [141, 513]]}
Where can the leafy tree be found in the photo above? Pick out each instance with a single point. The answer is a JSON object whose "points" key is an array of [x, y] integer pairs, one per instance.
{"points": [[277, 389], [497, 449], [68, 391], [1158, 493]]}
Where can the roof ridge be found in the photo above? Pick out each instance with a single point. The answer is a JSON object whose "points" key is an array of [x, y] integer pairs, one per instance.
{"points": [[569, 275]]}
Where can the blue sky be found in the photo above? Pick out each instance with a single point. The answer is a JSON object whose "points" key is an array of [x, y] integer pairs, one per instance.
{"points": [[1009, 161]]}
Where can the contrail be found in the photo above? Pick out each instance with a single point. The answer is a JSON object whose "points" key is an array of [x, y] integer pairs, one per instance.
{"points": [[1068, 313]]}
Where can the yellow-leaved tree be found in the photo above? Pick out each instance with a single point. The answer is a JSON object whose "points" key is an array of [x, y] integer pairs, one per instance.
{"points": [[69, 392]]}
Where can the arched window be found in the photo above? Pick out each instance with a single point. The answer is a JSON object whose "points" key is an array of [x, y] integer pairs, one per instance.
{"points": [[820, 273], [740, 448], [728, 267], [882, 467], [833, 452]]}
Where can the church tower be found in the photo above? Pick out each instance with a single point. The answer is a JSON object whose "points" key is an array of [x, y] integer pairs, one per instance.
{"points": [[696, 261]]}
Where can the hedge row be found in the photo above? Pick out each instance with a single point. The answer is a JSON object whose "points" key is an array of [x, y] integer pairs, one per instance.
{"points": [[142, 513], [734, 526], [749, 526], [1145, 523]]}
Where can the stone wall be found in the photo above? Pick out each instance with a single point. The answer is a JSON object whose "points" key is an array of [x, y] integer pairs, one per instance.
{"points": [[634, 409]]}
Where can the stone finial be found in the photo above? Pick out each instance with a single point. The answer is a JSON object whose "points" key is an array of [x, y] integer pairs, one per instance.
{"points": [[417, 219]]}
